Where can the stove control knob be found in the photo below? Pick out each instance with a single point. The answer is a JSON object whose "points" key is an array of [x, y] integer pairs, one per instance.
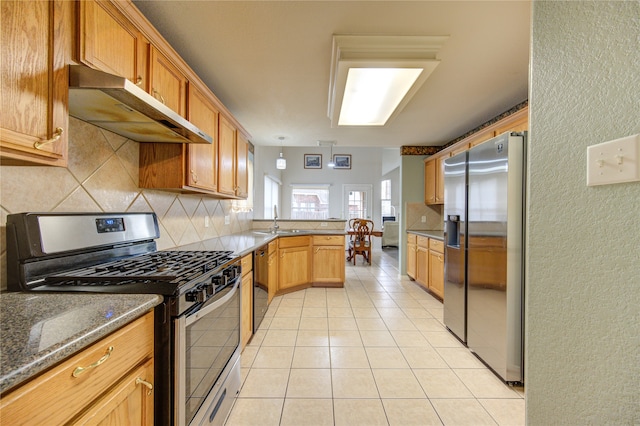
{"points": [[230, 272], [208, 290], [218, 280], [196, 295]]}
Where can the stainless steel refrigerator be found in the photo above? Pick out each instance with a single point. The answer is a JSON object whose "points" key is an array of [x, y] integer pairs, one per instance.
{"points": [[484, 235]]}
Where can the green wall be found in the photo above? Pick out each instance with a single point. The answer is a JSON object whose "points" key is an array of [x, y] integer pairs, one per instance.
{"points": [[583, 249]]}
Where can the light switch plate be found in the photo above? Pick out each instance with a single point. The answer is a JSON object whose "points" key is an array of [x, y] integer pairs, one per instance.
{"points": [[614, 161]]}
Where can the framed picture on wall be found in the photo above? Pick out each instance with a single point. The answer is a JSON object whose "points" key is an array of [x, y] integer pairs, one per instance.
{"points": [[313, 161], [342, 161]]}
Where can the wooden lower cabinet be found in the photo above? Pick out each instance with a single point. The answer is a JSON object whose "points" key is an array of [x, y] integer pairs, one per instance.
{"points": [[411, 255], [246, 294], [425, 263], [130, 403], [294, 263], [117, 391], [309, 260], [272, 273], [422, 261], [328, 260], [436, 267]]}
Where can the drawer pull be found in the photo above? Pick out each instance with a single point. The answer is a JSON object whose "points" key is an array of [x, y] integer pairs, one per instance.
{"points": [[140, 381], [79, 370], [56, 136]]}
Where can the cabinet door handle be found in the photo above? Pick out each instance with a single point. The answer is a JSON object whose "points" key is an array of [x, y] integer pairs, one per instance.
{"points": [[157, 94], [194, 176], [79, 370], [139, 81], [56, 136], [140, 381]]}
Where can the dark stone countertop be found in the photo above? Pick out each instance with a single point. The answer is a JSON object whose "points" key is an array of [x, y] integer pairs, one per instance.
{"points": [[40, 330]]}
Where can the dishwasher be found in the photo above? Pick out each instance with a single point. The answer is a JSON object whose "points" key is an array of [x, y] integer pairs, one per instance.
{"points": [[260, 285]]}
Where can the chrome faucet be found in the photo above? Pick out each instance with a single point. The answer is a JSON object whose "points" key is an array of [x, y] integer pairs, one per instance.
{"points": [[275, 227]]}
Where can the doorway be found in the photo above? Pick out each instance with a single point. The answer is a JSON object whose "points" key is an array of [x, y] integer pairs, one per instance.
{"points": [[357, 201]]}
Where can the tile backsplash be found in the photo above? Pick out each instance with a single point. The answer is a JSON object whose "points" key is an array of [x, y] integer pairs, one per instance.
{"points": [[433, 215], [102, 176]]}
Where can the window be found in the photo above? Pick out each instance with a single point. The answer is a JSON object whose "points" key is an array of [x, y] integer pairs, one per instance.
{"points": [[271, 195], [310, 201], [358, 204], [385, 198]]}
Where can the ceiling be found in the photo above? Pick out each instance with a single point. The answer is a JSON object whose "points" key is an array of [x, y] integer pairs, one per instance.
{"points": [[268, 62]]}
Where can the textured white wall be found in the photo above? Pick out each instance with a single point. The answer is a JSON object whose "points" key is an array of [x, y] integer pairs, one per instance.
{"points": [[583, 261]]}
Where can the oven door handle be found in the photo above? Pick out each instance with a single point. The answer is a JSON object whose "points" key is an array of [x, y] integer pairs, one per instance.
{"points": [[213, 306]]}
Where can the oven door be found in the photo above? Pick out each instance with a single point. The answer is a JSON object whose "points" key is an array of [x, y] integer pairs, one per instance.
{"points": [[207, 353]]}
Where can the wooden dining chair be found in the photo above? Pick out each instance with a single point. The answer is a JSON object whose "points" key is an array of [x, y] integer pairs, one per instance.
{"points": [[361, 243]]}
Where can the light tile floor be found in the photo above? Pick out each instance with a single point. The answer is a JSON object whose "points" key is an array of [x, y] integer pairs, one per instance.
{"points": [[372, 353]]}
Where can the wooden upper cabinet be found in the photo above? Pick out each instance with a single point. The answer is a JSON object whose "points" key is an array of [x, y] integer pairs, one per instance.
{"points": [[202, 160], [440, 179], [36, 42], [111, 43], [166, 82], [242, 178], [430, 181], [226, 157]]}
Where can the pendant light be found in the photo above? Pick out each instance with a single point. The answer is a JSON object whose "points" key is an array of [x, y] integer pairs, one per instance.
{"points": [[331, 164], [281, 163]]}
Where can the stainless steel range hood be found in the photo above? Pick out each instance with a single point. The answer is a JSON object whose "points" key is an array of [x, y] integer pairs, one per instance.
{"points": [[118, 105]]}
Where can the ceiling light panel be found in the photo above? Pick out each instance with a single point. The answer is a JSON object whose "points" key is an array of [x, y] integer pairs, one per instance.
{"points": [[413, 59], [372, 94]]}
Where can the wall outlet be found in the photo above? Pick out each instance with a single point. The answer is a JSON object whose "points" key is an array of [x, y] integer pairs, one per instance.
{"points": [[206, 221], [423, 219], [323, 224], [227, 220]]}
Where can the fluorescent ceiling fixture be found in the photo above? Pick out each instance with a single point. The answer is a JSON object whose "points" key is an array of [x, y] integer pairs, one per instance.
{"points": [[413, 59], [371, 95]]}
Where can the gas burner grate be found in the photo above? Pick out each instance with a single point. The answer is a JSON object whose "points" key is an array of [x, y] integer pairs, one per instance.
{"points": [[163, 267]]}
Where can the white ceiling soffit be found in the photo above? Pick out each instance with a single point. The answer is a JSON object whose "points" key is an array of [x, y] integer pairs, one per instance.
{"points": [[376, 51]]}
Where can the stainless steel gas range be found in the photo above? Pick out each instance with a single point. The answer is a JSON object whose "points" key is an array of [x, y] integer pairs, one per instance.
{"points": [[197, 330]]}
